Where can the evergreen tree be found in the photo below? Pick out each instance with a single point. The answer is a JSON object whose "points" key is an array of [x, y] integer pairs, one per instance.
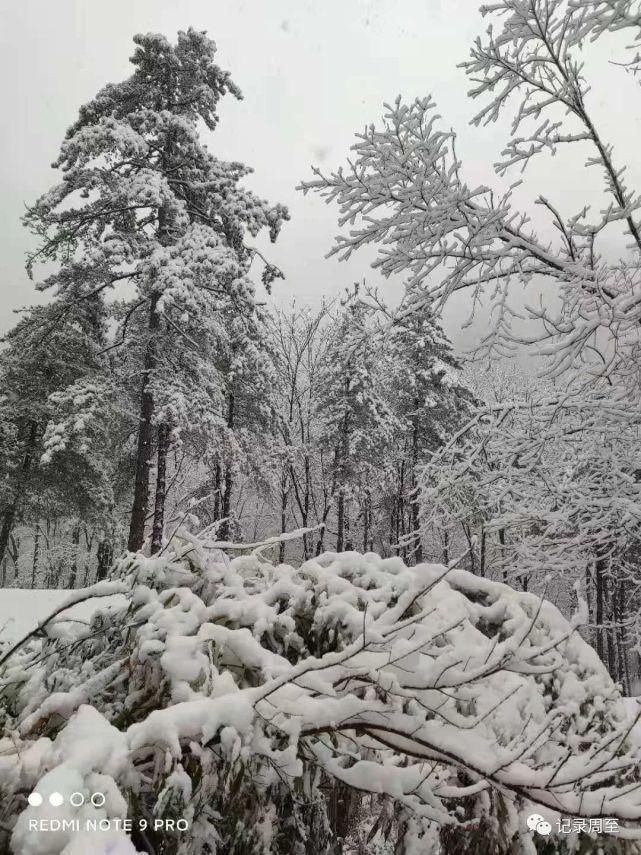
{"points": [[358, 423], [431, 402], [43, 367], [142, 201]]}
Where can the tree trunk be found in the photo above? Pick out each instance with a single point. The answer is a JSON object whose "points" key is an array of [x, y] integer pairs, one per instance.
{"points": [[467, 531], [36, 555], [89, 539], [225, 530], [340, 520], [366, 522], [349, 544], [502, 542], [329, 500], [342, 458], [621, 640], [400, 514], [599, 569], [8, 519], [590, 601], [417, 542], [483, 553], [611, 633], [306, 503], [14, 553], [161, 489], [302, 501], [284, 495], [10, 514], [218, 475], [145, 436], [105, 557], [75, 540], [392, 526]]}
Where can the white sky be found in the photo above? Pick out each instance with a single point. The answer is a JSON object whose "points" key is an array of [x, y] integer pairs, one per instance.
{"points": [[312, 74]]}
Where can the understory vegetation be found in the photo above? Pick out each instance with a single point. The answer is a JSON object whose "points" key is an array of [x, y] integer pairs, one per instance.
{"points": [[351, 702]]}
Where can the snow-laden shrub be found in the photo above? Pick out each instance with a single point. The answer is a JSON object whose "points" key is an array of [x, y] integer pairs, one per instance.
{"points": [[301, 710]]}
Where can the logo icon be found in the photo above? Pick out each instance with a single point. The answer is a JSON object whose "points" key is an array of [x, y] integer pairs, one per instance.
{"points": [[538, 823]]}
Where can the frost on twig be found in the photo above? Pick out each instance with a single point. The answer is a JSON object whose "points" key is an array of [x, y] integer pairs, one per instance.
{"points": [[404, 191]]}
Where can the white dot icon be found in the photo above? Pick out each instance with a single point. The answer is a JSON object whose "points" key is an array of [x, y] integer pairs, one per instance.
{"points": [[77, 799], [35, 799], [56, 799], [98, 799]]}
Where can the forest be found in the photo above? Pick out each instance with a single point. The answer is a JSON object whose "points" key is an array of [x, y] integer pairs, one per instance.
{"points": [[364, 591]]}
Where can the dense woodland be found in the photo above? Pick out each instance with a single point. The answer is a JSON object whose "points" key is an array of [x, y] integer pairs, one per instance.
{"points": [[164, 393]]}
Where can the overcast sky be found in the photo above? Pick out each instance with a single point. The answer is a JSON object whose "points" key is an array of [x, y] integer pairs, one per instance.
{"points": [[312, 73]]}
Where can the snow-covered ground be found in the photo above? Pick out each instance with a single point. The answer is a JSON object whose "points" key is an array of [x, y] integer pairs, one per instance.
{"points": [[21, 610]]}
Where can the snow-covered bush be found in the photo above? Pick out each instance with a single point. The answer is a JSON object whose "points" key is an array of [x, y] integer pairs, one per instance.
{"points": [[296, 710]]}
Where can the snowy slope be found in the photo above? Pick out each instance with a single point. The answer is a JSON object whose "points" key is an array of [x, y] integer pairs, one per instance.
{"points": [[21, 610]]}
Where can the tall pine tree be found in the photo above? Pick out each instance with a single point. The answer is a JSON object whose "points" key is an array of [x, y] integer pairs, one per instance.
{"points": [[143, 202]]}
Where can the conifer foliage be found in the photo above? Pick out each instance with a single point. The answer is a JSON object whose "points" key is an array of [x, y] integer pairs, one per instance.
{"points": [[143, 202]]}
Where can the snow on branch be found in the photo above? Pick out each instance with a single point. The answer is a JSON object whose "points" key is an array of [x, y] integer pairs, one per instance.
{"points": [[404, 191], [426, 685]]}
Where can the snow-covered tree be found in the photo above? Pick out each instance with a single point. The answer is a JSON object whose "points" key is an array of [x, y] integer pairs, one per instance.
{"points": [[401, 403], [430, 401], [550, 484], [57, 456], [249, 381], [359, 424], [405, 192], [563, 291], [299, 341], [143, 204]]}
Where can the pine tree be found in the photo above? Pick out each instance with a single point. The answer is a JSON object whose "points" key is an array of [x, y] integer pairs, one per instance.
{"points": [[43, 368], [359, 425], [143, 202], [431, 402], [246, 370]]}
